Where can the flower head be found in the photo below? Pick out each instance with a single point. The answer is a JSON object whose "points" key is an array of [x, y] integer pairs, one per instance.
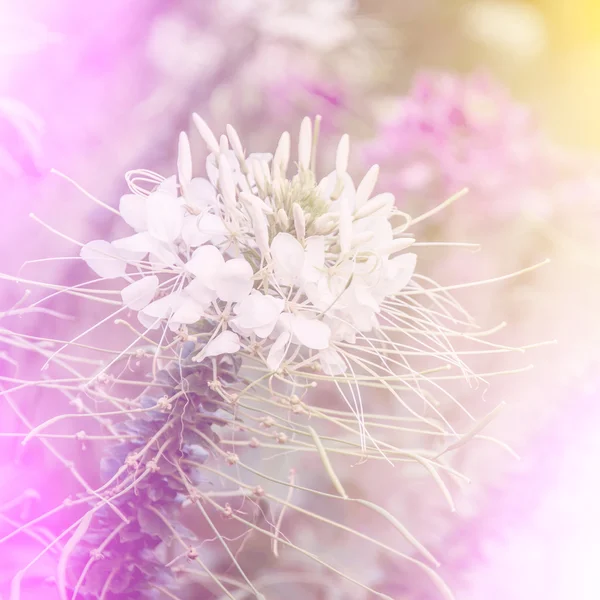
{"points": [[287, 266], [451, 132]]}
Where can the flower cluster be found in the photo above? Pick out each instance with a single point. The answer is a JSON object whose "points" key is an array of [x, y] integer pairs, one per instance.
{"points": [[146, 488], [284, 267], [452, 132]]}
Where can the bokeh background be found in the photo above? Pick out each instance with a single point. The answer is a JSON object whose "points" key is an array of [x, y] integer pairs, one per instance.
{"points": [[498, 96]]}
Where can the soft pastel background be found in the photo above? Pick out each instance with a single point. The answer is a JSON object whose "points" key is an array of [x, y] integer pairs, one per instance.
{"points": [[498, 96]]}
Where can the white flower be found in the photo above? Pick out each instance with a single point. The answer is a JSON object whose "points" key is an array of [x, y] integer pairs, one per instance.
{"points": [[288, 258], [140, 293], [226, 342], [281, 266], [103, 258], [257, 314]]}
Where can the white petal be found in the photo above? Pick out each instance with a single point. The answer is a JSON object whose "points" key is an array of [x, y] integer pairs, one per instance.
{"points": [[235, 142], [263, 157], [207, 135], [234, 282], [190, 233], [201, 193], [311, 333], [162, 255], [345, 225], [342, 154], [168, 186], [138, 244], [299, 221], [257, 314], [329, 184], [399, 271], [225, 343], [165, 216], [212, 171], [104, 259], [288, 258], [133, 211], [278, 351], [227, 183], [147, 321], [261, 229], [282, 154], [200, 293], [332, 363], [184, 160], [163, 307], [205, 263], [188, 313], [198, 230], [363, 296], [305, 143], [140, 293], [314, 258], [366, 186], [381, 205]]}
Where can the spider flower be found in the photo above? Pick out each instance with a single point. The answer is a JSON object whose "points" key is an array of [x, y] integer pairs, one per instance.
{"points": [[288, 267], [451, 132]]}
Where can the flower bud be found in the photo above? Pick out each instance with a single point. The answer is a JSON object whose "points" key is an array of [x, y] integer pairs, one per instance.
{"points": [[366, 186], [305, 143], [207, 135], [341, 157], [380, 203], [282, 155], [236, 144], [299, 221]]}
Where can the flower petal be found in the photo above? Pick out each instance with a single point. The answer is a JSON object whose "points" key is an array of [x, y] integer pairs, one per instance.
{"points": [[165, 216], [188, 313], [205, 264], [257, 314], [278, 351], [345, 225], [133, 211], [399, 271], [311, 333], [139, 294], [104, 259], [201, 193], [198, 230], [225, 343], [202, 295], [314, 258], [332, 362], [184, 160], [288, 258], [234, 282], [163, 307]]}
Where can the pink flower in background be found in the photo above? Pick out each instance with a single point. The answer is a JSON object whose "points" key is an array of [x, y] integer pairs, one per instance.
{"points": [[452, 132]]}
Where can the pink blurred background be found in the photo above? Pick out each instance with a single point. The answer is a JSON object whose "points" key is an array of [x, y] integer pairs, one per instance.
{"points": [[94, 90]]}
